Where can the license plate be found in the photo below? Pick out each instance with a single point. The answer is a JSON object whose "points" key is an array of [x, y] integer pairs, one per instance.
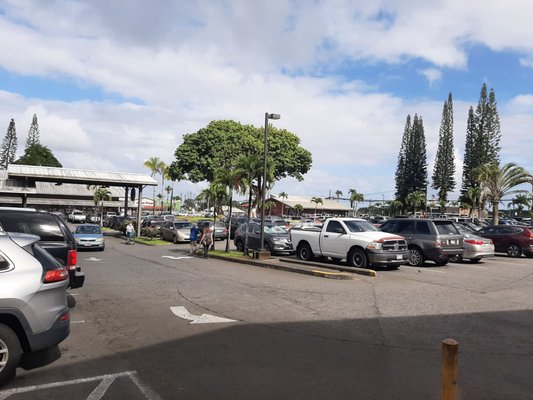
{"points": [[453, 241], [399, 257]]}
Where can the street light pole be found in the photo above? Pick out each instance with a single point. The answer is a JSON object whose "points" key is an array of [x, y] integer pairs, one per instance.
{"points": [[263, 190]]}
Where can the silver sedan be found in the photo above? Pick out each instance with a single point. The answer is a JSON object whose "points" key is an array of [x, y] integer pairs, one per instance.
{"points": [[476, 247]]}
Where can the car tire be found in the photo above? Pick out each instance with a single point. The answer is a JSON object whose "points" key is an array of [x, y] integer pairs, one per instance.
{"points": [[441, 262], [267, 247], [475, 260], [10, 352], [174, 239], [416, 257], [514, 250], [357, 258], [239, 246], [456, 259], [304, 252]]}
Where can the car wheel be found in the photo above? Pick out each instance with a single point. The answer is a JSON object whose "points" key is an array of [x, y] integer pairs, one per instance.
{"points": [[475, 260], [514, 250], [10, 352], [239, 245], [441, 262], [416, 258], [174, 239], [357, 258], [456, 259], [267, 247], [304, 252]]}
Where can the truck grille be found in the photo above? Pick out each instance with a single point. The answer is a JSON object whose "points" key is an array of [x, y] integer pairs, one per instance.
{"points": [[396, 245]]}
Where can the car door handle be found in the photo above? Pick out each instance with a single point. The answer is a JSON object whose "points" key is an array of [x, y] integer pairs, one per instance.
{"points": [[326, 235]]}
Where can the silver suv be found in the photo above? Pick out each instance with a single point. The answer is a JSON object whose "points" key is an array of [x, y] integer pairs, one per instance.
{"points": [[427, 239], [34, 313]]}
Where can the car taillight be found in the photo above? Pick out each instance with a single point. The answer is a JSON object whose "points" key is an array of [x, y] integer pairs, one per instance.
{"points": [[473, 241], [529, 233], [55, 275], [72, 259], [64, 317], [438, 243]]}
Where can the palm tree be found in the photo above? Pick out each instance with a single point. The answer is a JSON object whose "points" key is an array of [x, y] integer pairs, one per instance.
{"points": [[269, 205], [338, 193], [163, 171], [154, 165], [498, 182], [168, 189], [395, 206], [284, 196], [317, 200], [231, 180], [416, 199], [299, 208], [355, 197], [521, 201], [100, 195]]}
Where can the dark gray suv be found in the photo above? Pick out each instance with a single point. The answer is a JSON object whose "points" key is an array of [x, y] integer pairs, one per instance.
{"points": [[427, 239], [55, 236]]}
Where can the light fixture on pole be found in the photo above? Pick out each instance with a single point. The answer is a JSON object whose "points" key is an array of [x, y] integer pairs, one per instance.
{"points": [[263, 190]]}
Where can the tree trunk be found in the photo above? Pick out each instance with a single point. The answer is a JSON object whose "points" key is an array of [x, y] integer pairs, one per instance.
{"points": [[245, 252], [495, 212], [229, 219]]}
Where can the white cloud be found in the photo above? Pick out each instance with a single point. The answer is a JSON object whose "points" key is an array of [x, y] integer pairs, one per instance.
{"points": [[192, 62], [432, 75]]}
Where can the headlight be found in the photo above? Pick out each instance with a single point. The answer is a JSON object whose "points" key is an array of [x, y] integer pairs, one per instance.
{"points": [[278, 239], [99, 240], [374, 246], [78, 240]]}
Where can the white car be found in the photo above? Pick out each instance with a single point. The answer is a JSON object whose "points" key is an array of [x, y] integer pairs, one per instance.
{"points": [[77, 216]]}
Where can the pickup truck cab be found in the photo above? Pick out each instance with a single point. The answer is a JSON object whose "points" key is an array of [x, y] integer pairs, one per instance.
{"points": [[353, 239], [77, 216]]}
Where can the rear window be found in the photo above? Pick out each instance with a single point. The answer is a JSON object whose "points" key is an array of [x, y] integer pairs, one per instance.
{"points": [[42, 225], [182, 225], [446, 228]]}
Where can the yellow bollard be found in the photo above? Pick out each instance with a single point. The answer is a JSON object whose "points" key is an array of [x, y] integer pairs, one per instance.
{"points": [[448, 372]]}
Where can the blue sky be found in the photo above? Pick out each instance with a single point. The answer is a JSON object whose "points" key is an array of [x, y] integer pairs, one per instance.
{"points": [[112, 86]]}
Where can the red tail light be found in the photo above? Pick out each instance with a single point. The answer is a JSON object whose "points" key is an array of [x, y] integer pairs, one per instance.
{"points": [[473, 241], [72, 259], [56, 275], [65, 316], [529, 233]]}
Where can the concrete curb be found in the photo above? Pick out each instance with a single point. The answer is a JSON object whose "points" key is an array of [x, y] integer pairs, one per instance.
{"points": [[274, 263], [360, 271]]}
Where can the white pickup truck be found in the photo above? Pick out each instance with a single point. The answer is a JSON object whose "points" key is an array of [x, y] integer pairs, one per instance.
{"points": [[353, 239]]}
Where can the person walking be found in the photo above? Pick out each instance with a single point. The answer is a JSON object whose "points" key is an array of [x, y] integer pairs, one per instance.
{"points": [[130, 233], [193, 237], [207, 239]]}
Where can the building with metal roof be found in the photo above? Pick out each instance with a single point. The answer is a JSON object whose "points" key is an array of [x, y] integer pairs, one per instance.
{"points": [[63, 188]]}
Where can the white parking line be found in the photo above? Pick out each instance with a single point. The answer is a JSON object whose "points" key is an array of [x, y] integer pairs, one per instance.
{"points": [[77, 322], [96, 394]]}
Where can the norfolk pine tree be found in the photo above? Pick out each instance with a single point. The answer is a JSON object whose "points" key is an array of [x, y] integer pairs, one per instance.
{"points": [[33, 133], [444, 169], [9, 146], [411, 172], [483, 137]]}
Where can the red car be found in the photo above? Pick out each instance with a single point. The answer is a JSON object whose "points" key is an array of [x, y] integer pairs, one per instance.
{"points": [[514, 240]]}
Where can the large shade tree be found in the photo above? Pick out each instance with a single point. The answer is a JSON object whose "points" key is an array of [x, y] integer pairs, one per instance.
{"points": [[202, 152], [37, 154], [497, 182]]}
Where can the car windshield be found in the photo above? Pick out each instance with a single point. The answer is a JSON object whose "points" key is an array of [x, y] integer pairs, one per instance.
{"points": [[88, 230], [182, 225], [360, 226], [446, 228], [274, 229]]}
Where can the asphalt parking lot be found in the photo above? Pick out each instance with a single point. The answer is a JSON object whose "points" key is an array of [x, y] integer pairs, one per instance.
{"points": [[153, 322]]}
